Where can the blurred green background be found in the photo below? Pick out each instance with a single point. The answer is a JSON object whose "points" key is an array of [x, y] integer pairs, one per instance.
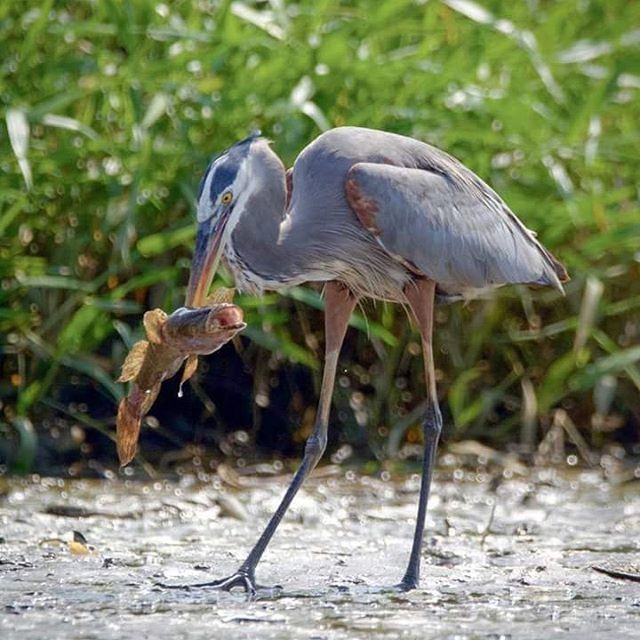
{"points": [[110, 112]]}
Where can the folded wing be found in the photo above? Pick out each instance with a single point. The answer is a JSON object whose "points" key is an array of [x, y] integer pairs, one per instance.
{"points": [[449, 226]]}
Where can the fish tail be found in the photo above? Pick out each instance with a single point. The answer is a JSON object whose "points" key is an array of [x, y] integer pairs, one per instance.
{"points": [[128, 430]]}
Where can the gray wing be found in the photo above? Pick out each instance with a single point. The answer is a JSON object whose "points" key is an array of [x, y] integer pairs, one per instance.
{"points": [[449, 226]]}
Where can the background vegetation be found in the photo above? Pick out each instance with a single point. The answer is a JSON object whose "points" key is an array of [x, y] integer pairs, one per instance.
{"points": [[111, 111]]}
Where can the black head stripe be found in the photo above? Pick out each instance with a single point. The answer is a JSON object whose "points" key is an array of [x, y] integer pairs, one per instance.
{"points": [[225, 166], [225, 174]]}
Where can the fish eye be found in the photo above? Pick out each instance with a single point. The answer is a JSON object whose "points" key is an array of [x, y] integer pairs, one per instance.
{"points": [[227, 197]]}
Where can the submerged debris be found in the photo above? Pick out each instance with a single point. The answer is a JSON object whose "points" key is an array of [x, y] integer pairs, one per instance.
{"points": [[75, 542]]}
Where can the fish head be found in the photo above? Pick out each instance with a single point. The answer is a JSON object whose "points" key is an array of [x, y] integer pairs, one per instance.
{"points": [[225, 317], [224, 321]]}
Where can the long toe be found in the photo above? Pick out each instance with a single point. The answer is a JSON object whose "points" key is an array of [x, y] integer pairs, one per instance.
{"points": [[407, 585], [239, 579]]}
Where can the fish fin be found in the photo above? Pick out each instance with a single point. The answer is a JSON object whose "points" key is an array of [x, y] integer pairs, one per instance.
{"points": [[220, 295], [127, 432], [133, 362], [153, 322], [190, 367]]}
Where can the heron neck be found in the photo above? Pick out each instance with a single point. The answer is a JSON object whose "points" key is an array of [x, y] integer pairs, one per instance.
{"points": [[259, 254]]}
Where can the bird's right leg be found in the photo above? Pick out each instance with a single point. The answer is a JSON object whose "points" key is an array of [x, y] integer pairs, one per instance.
{"points": [[421, 296], [339, 304]]}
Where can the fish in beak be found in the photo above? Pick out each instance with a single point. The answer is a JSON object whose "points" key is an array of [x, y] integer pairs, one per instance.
{"points": [[211, 239], [171, 340]]}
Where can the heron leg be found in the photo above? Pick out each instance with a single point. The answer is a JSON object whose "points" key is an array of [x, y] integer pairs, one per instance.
{"points": [[339, 304], [420, 296]]}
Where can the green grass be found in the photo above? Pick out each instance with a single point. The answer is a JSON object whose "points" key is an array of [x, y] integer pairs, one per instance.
{"points": [[112, 110]]}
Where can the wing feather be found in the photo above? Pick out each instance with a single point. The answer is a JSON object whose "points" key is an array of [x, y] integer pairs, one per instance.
{"points": [[450, 226]]}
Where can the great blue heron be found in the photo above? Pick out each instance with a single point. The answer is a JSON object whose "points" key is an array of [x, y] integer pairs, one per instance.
{"points": [[371, 214]]}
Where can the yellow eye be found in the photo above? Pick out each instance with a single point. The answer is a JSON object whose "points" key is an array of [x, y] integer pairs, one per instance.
{"points": [[227, 197]]}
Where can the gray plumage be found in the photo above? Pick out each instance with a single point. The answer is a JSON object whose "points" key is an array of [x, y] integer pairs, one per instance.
{"points": [[371, 214], [430, 216]]}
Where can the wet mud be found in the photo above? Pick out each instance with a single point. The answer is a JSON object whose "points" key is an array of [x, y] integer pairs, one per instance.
{"points": [[507, 559]]}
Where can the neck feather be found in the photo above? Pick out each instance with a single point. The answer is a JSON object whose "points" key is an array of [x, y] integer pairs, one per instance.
{"points": [[258, 255]]}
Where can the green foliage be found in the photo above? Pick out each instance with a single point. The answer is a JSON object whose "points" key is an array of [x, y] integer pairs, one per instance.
{"points": [[113, 109], [26, 450]]}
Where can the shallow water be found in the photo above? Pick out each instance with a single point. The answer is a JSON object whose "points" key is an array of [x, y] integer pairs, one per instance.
{"points": [[510, 559]]}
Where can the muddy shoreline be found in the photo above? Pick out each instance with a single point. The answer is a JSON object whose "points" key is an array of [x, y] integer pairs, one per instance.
{"points": [[513, 560]]}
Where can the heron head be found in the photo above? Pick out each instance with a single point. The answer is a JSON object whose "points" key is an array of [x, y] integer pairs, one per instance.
{"points": [[221, 198]]}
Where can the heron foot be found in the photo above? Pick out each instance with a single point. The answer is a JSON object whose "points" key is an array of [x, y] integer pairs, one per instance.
{"points": [[239, 579], [406, 585]]}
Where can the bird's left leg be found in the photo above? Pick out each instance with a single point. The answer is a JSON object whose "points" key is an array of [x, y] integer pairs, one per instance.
{"points": [[339, 304], [421, 296]]}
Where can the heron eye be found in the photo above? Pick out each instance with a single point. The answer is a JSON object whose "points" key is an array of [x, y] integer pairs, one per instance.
{"points": [[227, 197]]}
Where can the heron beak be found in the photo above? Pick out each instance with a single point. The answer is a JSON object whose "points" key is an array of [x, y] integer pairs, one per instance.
{"points": [[210, 241]]}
